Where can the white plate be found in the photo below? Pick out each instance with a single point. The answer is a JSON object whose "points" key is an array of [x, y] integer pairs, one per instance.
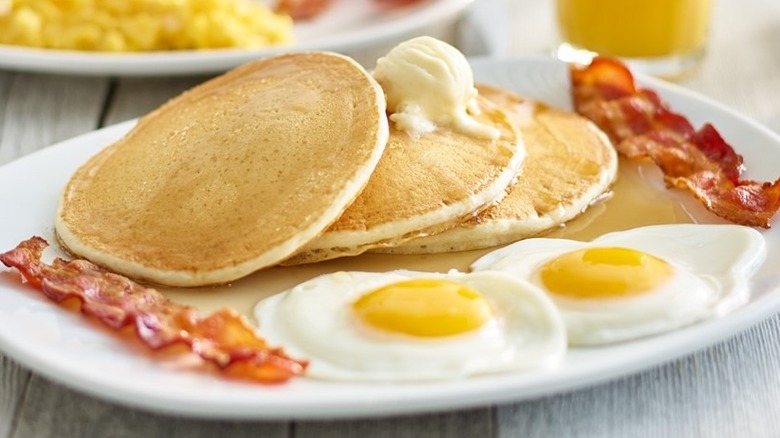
{"points": [[65, 348], [348, 25]]}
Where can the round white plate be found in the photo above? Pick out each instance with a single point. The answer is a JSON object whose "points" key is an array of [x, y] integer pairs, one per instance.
{"points": [[346, 26], [64, 347]]}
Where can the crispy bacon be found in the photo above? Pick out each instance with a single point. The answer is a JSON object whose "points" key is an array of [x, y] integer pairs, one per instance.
{"points": [[641, 125], [223, 338]]}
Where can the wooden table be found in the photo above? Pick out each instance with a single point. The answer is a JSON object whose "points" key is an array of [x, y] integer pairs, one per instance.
{"points": [[731, 389]]}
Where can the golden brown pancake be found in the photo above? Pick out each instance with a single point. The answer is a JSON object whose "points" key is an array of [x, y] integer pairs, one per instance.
{"points": [[423, 185], [231, 176], [570, 164]]}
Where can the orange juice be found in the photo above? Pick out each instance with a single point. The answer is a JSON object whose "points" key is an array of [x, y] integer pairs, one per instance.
{"points": [[635, 28]]}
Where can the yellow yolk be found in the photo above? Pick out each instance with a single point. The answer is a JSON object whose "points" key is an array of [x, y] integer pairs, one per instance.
{"points": [[424, 307], [604, 273]]}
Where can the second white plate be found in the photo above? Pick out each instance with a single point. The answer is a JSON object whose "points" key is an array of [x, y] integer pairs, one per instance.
{"points": [[347, 26]]}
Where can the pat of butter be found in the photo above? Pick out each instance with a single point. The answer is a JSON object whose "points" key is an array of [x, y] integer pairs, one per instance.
{"points": [[429, 83]]}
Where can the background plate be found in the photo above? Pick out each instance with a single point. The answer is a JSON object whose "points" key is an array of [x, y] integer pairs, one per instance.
{"points": [[348, 25], [66, 348]]}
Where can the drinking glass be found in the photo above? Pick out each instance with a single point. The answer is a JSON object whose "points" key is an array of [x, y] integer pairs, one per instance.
{"points": [[665, 38]]}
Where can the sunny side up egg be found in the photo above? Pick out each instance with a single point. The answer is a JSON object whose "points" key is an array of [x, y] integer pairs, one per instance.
{"points": [[414, 326], [638, 282]]}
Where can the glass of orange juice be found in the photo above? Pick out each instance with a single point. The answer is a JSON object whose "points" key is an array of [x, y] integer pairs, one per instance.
{"points": [[661, 37]]}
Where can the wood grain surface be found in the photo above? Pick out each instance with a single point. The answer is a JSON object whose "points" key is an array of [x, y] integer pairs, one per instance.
{"points": [[731, 389]]}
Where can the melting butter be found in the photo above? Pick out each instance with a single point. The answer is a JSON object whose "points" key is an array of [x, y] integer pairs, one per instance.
{"points": [[427, 83]]}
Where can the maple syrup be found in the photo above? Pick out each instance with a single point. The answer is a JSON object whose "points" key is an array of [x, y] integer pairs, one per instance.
{"points": [[638, 198]]}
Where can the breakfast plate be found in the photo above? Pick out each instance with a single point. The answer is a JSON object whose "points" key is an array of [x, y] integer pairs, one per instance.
{"points": [[69, 349], [346, 26]]}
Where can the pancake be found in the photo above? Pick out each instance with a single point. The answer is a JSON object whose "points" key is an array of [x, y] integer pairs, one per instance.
{"points": [[570, 165], [232, 176], [424, 185]]}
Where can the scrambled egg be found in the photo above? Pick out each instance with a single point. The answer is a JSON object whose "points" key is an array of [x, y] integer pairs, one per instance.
{"points": [[141, 25]]}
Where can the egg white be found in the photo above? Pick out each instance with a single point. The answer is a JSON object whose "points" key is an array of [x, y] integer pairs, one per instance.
{"points": [[315, 320], [712, 266]]}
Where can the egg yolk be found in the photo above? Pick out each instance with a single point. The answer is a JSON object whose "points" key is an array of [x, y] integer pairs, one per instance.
{"points": [[604, 273], [424, 307]]}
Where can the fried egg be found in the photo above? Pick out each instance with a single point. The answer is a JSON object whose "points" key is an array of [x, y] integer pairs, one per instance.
{"points": [[638, 282], [414, 326]]}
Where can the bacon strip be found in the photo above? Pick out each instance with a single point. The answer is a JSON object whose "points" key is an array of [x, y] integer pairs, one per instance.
{"points": [[640, 125], [223, 338]]}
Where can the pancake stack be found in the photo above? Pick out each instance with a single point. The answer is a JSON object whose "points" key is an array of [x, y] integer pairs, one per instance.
{"points": [[570, 164], [232, 176], [423, 186], [291, 160]]}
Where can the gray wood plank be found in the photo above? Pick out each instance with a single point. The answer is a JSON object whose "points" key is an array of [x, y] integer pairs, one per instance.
{"points": [[134, 97], [13, 380], [52, 410], [743, 44], [39, 110], [715, 392], [5, 91], [471, 424]]}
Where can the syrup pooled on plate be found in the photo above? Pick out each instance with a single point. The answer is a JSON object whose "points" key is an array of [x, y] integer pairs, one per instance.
{"points": [[638, 198]]}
